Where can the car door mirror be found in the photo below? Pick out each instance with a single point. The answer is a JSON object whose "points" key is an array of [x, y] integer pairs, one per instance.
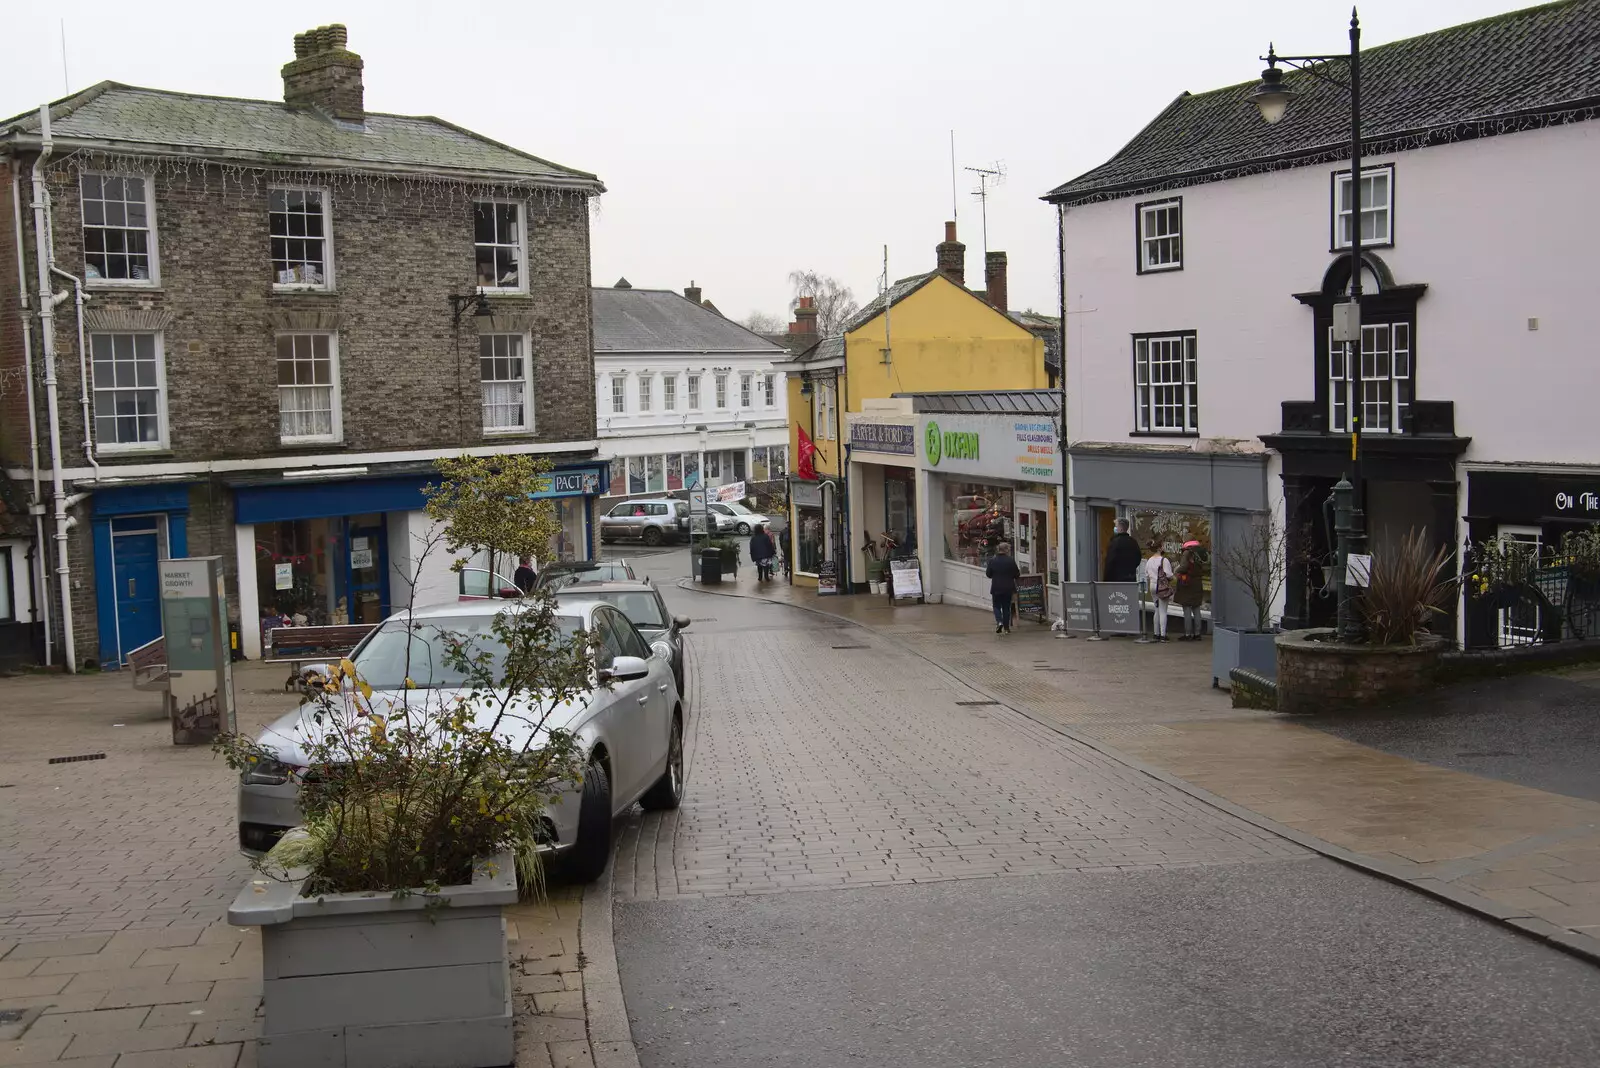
{"points": [[681, 622], [624, 668]]}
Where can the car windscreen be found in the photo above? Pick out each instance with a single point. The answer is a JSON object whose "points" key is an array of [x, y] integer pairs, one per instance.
{"points": [[421, 650], [640, 606]]}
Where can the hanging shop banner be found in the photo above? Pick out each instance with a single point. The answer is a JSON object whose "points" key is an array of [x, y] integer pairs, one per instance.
{"points": [[1030, 596], [733, 491], [1116, 606], [805, 494], [1078, 606], [1002, 446]]}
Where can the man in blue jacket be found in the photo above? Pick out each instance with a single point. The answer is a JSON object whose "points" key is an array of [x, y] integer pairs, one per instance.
{"points": [[1003, 574]]}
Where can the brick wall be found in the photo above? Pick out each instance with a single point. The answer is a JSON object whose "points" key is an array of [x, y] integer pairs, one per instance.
{"points": [[1322, 676]]}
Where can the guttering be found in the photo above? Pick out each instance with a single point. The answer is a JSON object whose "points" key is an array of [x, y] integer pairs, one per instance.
{"points": [[47, 344], [38, 584], [83, 371]]}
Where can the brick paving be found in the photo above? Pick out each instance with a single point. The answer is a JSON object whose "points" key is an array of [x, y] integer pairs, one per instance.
{"points": [[1524, 855]]}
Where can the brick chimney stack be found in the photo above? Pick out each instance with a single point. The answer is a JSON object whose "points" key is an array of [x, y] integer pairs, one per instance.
{"points": [[952, 256], [994, 279], [805, 317], [692, 292], [325, 74]]}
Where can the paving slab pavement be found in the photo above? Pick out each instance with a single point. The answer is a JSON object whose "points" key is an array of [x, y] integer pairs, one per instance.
{"points": [[1525, 856]]}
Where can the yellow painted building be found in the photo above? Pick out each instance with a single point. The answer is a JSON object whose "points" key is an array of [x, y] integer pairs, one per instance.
{"points": [[928, 334]]}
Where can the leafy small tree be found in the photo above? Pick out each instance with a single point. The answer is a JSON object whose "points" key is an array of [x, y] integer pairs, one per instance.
{"points": [[437, 749], [1259, 561], [833, 300]]}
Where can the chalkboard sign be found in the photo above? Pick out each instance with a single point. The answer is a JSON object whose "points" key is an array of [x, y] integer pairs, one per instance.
{"points": [[1078, 604], [827, 577], [905, 580], [1116, 606], [1030, 596]]}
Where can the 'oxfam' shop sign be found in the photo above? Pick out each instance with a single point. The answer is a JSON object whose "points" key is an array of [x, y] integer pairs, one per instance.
{"points": [[943, 444], [1013, 445]]}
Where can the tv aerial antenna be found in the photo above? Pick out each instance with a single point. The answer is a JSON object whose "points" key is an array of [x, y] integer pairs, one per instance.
{"points": [[988, 178]]}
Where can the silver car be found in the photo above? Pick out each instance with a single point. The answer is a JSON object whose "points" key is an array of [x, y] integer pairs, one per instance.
{"points": [[652, 520], [737, 517], [629, 725]]}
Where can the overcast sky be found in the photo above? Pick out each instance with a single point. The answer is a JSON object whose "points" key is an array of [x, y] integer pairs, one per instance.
{"points": [[740, 139]]}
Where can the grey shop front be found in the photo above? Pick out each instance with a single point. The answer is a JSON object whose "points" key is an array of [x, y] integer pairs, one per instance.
{"points": [[1173, 495]]}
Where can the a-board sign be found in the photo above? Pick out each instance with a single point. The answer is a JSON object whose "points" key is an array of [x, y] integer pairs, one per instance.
{"points": [[1116, 606], [827, 577], [1030, 596], [905, 579], [1077, 601]]}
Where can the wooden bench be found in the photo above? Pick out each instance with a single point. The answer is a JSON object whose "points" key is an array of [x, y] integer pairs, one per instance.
{"points": [[298, 645], [148, 663]]}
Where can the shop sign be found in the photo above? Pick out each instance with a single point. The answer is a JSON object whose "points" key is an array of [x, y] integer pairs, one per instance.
{"points": [[897, 438], [1078, 603], [1020, 448], [905, 579], [1030, 596], [1117, 607], [360, 559], [806, 494], [1586, 502], [568, 484], [827, 577]]}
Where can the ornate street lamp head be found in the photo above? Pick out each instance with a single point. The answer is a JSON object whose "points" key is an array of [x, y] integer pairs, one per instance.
{"points": [[1272, 96]]}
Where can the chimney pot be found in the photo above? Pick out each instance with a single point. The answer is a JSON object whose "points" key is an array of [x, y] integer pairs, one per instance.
{"points": [[950, 231], [692, 292], [994, 279], [951, 256], [805, 317], [325, 74]]}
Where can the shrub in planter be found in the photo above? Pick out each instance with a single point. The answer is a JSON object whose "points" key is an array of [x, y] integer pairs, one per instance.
{"points": [[1259, 562], [422, 790], [1582, 550], [1500, 572], [729, 548], [1407, 590]]}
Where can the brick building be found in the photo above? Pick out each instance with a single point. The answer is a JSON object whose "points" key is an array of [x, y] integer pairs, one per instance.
{"points": [[288, 312]]}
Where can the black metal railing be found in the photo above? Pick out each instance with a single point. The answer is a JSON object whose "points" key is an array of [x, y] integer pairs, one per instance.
{"points": [[1553, 605]]}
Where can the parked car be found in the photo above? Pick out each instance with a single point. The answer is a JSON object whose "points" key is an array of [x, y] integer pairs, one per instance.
{"points": [[741, 519], [479, 583], [565, 574], [629, 724], [641, 602], [652, 520]]}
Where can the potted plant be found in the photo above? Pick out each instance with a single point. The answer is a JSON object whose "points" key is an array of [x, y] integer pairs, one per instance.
{"points": [[729, 548], [1406, 591], [1258, 560], [1500, 572], [423, 796], [1582, 550]]}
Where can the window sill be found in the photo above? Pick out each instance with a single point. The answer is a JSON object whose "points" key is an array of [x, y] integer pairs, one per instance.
{"points": [[503, 293], [133, 452], [518, 432], [307, 444], [106, 285], [327, 291], [1163, 433], [1366, 246], [1166, 269]]}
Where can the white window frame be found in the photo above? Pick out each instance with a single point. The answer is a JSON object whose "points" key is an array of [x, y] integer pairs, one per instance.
{"points": [[154, 281], [747, 390], [326, 285], [619, 394], [1399, 382], [1150, 242], [1147, 403], [1341, 183], [721, 387], [162, 441], [669, 393], [824, 404], [694, 392], [647, 389], [1509, 631], [769, 388], [336, 400], [521, 246], [526, 341]]}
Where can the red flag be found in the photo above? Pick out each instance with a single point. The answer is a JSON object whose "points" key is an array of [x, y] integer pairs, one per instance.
{"points": [[806, 468]]}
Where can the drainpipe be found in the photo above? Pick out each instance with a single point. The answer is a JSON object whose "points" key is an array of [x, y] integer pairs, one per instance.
{"points": [[38, 583], [47, 344], [79, 300]]}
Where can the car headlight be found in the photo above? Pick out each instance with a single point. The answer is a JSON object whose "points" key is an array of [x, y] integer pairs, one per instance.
{"points": [[264, 771], [663, 649]]}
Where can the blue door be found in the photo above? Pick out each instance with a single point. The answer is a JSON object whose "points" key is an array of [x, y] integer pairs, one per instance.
{"points": [[136, 573]]}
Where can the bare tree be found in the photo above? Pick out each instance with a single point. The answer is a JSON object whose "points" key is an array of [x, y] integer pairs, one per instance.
{"points": [[833, 300], [1259, 561], [761, 322]]}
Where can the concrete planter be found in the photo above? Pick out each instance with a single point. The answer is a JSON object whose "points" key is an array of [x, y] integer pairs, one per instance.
{"points": [[368, 981], [1233, 647], [1324, 676]]}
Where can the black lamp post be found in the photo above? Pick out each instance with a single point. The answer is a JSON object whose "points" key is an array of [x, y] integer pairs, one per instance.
{"points": [[1272, 97]]}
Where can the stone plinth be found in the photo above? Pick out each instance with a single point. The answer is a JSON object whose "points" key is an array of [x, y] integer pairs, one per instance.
{"points": [[1316, 674]]}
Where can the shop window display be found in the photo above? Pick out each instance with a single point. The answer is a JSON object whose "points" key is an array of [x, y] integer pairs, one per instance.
{"points": [[977, 518], [810, 539], [1173, 529]]}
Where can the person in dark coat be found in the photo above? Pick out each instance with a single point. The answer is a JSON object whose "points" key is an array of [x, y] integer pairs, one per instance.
{"points": [[1122, 556], [1003, 574], [525, 576], [1191, 592], [763, 552]]}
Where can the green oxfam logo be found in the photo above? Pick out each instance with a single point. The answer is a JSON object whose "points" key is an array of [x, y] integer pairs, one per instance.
{"points": [[933, 444], [950, 444]]}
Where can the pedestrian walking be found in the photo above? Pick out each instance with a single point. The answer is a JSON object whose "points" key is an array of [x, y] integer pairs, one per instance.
{"points": [[525, 576], [1159, 577], [1003, 574], [1190, 589], [1122, 556], [762, 551]]}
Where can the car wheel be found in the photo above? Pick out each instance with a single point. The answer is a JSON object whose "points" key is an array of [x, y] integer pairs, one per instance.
{"points": [[667, 793], [744, 528], [593, 849], [652, 535], [606, 539]]}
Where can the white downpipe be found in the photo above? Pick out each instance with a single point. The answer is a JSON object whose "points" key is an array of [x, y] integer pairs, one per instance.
{"points": [[41, 581], [83, 371], [47, 343]]}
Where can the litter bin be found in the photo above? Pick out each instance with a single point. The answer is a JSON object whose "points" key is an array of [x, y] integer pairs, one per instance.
{"points": [[711, 566]]}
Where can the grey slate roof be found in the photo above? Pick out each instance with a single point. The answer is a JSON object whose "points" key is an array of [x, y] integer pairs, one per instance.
{"points": [[130, 118], [1514, 71], [828, 348], [988, 402], [661, 320], [897, 292]]}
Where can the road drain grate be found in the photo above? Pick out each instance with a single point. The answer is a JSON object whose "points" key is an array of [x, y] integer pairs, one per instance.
{"points": [[75, 759], [975, 704], [849, 647]]}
